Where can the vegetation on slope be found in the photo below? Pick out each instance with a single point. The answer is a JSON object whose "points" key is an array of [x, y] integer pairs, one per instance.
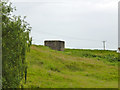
{"points": [[70, 69], [15, 42], [107, 56]]}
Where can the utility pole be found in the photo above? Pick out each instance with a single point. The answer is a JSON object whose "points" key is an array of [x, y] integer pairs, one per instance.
{"points": [[104, 45]]}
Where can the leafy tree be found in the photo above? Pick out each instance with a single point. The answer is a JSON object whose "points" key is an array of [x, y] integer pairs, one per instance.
{"points": [[15, 43]]}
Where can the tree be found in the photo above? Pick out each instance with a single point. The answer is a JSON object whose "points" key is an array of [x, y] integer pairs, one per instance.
{"points": [[15, 43]]}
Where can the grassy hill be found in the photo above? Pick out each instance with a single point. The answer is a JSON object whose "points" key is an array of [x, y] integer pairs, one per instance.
{"points": [[73, 68]]}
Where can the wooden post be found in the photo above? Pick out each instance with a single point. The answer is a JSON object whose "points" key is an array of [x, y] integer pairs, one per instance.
{"points": [[25, 74]]}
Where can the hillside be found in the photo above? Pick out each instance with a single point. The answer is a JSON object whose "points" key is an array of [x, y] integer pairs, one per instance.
{"points": [[71, 69]]}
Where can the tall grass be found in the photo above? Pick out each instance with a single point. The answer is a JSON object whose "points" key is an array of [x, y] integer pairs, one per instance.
{"points": [[48, 68]]}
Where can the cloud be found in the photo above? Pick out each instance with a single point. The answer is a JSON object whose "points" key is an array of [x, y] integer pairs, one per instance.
{"points": [[84, 5], [93, 19]]}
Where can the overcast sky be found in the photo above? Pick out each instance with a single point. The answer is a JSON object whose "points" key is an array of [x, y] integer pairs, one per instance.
{"points": [[80, 23]]}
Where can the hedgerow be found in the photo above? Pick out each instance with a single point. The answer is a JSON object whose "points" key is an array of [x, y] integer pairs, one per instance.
{"points": [[15, 43]]}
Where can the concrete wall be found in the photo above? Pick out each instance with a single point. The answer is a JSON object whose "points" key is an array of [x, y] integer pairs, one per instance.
{"points": [[55, 44]]}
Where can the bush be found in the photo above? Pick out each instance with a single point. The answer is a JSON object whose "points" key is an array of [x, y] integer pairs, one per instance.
{"points": [[15, 43]]}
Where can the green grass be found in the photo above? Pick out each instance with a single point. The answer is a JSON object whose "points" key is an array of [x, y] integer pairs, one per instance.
{"points": [[71, 69], [109, 57]]}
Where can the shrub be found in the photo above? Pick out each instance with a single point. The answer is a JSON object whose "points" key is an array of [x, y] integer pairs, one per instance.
{"points": [[15, 43]]}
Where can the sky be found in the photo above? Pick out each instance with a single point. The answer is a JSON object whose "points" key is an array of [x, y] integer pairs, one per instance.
{"points": [[82, 24]]}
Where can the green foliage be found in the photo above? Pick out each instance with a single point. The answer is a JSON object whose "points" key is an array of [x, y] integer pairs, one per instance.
{"points": [[15, 43], [109, 57], [48, 68]]}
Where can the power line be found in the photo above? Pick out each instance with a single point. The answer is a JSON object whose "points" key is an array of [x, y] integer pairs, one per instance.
{"points": [[78, 39], [71, 37]]}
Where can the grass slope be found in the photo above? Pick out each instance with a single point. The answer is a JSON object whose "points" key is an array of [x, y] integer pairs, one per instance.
{"points": [[71, 69]]}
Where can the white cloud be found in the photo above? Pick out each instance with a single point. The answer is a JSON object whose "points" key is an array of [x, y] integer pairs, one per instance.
{"points": [[93, 19]]}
